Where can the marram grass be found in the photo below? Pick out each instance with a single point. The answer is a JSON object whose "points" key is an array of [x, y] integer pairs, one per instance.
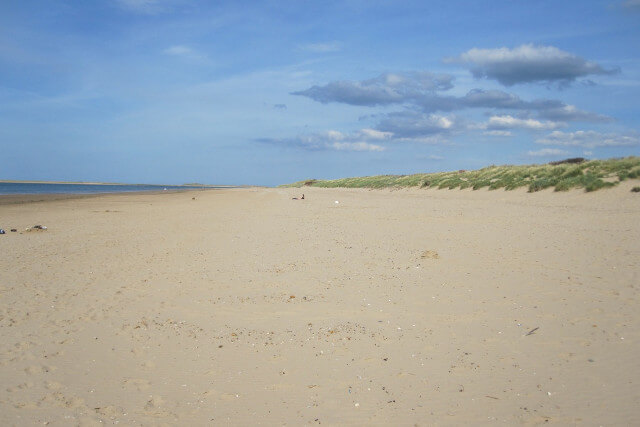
{"points": [[591, 175]]}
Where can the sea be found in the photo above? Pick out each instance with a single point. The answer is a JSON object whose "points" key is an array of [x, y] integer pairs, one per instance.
{"points": [[51, 188]]}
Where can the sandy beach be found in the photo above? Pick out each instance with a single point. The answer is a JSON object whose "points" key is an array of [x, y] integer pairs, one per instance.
{"points": [[351, 307]]}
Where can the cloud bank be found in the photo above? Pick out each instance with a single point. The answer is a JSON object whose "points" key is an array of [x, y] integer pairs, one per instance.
{"points": [[390, 88], [421, 91], [428, 112], [528, 64]]}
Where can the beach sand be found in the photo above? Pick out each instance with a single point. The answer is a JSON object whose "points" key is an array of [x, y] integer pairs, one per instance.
{"points": [[245, 307]]}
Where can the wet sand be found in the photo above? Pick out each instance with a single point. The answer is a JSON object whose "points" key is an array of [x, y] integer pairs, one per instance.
{"points": [[12, 199], [245, 307]]}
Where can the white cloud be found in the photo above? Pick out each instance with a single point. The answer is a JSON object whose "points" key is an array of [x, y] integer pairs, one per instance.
{"points": [[375, 134], [356, 146], [497, 133], [547, 152], [335, 140], [411, 125], [588, 139], [443, 122], [335, 135], [510, 122], [528, 63], [527, 52]]}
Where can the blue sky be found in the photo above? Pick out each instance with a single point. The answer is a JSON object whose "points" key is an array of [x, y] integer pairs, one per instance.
{"points": [[269, 92]]}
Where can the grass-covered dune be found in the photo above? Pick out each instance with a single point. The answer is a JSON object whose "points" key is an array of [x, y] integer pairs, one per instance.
{"points": [[562, 176]]}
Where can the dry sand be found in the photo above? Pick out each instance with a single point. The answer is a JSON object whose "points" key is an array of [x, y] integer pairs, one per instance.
{"points": [[244, 307]]}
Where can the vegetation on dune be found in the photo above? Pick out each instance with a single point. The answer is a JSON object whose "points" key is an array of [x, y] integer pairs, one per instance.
{"points": [[562, 176]]}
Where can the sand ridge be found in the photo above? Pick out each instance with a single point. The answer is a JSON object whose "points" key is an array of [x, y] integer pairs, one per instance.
{"points": [[244, 306]]}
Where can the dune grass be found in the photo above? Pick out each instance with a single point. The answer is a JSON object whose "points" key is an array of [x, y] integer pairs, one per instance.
{"points": [[590, 175]]}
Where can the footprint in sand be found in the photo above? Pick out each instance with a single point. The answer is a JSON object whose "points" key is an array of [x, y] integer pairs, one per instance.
{"points": [[38, 370], [156, 406], [22, 345], [59, 399], [25, 405], [139, 383], [138, 351], [429, 255], [52, 385], [110, 411], [19, 387]]}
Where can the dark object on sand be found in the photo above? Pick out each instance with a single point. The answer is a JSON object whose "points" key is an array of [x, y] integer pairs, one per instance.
{"points": [[39, 227], [571, 160], [531, 332], [1, 231], [13, 230]]}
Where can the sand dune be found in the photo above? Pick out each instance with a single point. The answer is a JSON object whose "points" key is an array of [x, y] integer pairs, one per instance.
{"points": [[246, 307]]}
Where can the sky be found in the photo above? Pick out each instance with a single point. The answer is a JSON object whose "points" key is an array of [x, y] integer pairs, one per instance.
{"points": [[271, 92]]}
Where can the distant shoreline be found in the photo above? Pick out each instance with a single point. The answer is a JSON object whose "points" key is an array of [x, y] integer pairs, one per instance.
{"points": [[18, 199], [18, 192], [12, 181]]}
